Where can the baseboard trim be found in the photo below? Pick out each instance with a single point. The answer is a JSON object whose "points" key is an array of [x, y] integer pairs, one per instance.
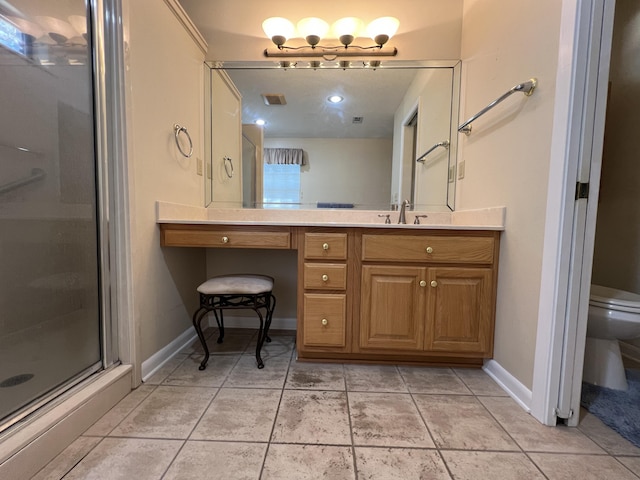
{"points": [[252, 322], [630, 351], [24, 452], [152, 364], [509, 383]]}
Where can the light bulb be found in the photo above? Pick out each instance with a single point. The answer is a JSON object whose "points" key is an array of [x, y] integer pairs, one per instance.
{"points": [[313, 29], [347, 29], [382, 29], [278, 29]]}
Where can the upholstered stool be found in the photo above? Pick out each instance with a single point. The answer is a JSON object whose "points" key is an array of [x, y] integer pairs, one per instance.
{"points": [[234, 292]]}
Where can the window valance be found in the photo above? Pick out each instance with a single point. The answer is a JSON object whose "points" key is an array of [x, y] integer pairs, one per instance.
{"points": [[284, 156]]}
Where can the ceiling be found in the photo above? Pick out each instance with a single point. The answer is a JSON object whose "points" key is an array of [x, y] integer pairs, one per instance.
{"points": [[429, 30], [372, 95]]}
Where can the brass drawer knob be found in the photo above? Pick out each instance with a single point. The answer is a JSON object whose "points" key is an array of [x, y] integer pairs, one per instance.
{"points": [[434, 283], [325, 321], [325, 278], [429, 250], [423, 283], [225, 239], [325, 246]]}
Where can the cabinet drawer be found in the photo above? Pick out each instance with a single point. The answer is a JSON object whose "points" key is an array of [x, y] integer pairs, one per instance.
{"points": [[331, 246], [226, 238], [425, 248], [325, 320], [325, 276]]}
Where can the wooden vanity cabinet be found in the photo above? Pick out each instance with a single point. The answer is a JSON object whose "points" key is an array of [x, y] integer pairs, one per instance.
{"points": [[428, 294]]}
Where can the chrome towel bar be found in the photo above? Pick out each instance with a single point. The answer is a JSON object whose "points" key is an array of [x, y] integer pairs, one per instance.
{"points": [[444, 143], [526, 87]]}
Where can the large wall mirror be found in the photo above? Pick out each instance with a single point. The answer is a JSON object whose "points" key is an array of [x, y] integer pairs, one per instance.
{"points": [[366, 151]]}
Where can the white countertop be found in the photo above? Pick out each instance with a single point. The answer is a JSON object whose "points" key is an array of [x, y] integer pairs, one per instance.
{"points": [[481, 219]]}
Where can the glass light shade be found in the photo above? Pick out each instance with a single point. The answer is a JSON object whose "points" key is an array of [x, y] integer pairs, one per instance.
{"points": [[383, 28], [347, 26], [313, 29], [278, 27]]}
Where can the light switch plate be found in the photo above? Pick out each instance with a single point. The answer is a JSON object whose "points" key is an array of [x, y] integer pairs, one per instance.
{"points": [[461, 170], [199, 166]]}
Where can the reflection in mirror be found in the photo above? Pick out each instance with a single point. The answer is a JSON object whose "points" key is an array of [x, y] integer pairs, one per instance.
{"points": [[360, 151]]}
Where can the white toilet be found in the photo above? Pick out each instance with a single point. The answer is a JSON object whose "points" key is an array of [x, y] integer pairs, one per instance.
{"points": [[613, 315]]}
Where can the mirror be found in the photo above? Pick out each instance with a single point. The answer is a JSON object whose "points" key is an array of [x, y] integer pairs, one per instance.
{"points": [[358, 153]]}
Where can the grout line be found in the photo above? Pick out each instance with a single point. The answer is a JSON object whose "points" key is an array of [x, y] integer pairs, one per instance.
{"points": [[275, 417], [353, 447]]}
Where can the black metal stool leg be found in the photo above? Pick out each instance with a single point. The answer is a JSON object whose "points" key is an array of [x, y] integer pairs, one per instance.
{"points": [[220, 322], [271, 305], [197, 321], [261, 337]]}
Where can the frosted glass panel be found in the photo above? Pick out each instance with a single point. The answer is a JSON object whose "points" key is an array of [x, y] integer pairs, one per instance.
{"points": [[49, 290]]}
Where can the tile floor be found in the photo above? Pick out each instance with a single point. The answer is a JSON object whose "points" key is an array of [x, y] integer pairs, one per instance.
{"points": [[330, 421]]}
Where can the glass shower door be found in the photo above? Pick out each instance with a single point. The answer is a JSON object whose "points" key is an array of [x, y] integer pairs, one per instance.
{"points": [[50, 334]]}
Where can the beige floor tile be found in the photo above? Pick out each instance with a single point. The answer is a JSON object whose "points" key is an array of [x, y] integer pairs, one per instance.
{"points": [[241, 414], [217, 461], [163, 372], [59, 466], [584, 467], [462, 422], [188, 373], [373, 378], [308, 462], [387, 419], [531, 435], [399, 463], [232, 344], [433, 380], [490, 466], [280, 346], [247, 374], [479, 382], [315, 376], [604, 436], [126, 458], [632, 463], [124, 407], [168, 412], [312, 417]]}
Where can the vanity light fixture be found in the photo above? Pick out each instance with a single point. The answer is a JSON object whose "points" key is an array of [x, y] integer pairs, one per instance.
{"points": [[346, 30]]}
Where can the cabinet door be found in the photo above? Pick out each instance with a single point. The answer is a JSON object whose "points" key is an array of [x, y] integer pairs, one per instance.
{"points": [[392, 309], [460, 308]]}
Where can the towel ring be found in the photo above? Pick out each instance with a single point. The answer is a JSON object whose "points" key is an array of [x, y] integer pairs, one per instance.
{"points": [[177, 129], [226, 168]]}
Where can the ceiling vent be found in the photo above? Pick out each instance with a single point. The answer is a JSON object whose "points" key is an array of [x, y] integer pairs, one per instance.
{"points": [[357, 120], [274, 99]]}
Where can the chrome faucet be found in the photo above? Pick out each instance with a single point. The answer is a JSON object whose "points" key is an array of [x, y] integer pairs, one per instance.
{"points": [[402, 219]]}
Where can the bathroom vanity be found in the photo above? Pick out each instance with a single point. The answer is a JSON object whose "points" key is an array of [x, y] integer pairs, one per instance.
{"points": [[368, 291]]}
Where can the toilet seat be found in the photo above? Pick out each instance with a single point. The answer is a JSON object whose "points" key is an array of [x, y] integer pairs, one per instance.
{"points": [[614, 299]]}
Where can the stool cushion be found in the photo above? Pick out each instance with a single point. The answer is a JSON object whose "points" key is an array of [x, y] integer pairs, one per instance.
{"points": [[237, 284]]}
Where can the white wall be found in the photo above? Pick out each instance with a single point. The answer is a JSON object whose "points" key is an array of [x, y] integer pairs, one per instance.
{"points": [[343, 170], [616, 261], [507, 154], [164, 86]]}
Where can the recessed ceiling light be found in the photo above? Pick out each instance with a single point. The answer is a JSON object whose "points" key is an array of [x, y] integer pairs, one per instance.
{"points": [[335, 99], [260, 122]]}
